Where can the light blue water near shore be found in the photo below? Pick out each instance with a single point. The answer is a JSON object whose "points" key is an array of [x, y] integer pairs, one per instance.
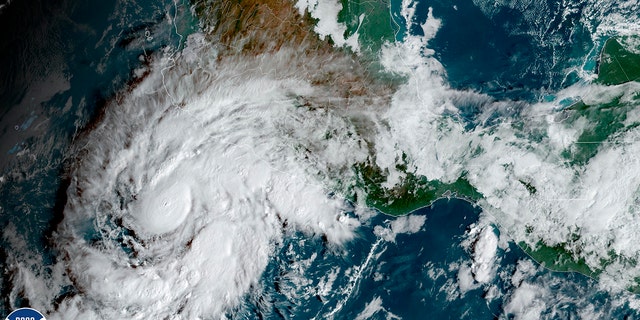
{"points": [[508, 53], [417, 276]]}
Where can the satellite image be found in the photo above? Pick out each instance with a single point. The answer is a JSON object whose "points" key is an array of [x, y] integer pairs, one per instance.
{"points": [[320, 159]]}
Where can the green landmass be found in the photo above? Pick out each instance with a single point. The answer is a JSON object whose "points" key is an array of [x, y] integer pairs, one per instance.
{"points": [[532, 190], [617, 63], [411, 193], [377, 26], [604, 120], [557, 258]]}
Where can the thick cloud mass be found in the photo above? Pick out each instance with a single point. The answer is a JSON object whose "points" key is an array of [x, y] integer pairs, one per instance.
{"points": [[189, 179], [181, 190], [191, 175]]}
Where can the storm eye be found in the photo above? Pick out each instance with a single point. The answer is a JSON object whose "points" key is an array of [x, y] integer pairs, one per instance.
{"points": [[163, 208]]}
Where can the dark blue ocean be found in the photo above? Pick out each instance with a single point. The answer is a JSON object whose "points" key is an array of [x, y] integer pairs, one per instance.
{"points": [[509, 53], [414, 278], [506, 56], [96, 47]]}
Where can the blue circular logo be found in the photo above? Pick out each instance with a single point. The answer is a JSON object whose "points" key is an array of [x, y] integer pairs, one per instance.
{"points": [[25, 314]]}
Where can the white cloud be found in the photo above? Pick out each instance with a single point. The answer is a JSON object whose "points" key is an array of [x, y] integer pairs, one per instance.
{"points": [[408, 224], [484, 255], [326, 11], [202, 171]]}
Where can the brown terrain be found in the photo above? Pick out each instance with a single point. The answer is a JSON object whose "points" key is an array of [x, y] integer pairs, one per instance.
{"points": [[254, 28]]}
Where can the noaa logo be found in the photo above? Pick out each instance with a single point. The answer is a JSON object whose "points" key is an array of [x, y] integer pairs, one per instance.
{"points": [[25, 314]]}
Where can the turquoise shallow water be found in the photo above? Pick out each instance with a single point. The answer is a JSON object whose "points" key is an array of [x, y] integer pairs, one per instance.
{"points": [[413, 277], [509, 53]]}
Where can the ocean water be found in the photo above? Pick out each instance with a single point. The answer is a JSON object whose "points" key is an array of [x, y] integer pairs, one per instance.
{"points": [[511, 53], [78, 60], [417, 276], [59, 71], [143, 179]]}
